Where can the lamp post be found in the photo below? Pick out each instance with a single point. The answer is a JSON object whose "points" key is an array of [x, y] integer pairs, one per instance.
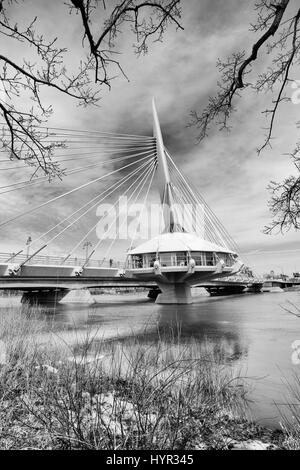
{"points": [[29, 240], [86, 246]]}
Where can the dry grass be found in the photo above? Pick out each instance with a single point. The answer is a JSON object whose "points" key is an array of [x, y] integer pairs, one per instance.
{"points": [[113, 395], [290, 414], [291, 417]]}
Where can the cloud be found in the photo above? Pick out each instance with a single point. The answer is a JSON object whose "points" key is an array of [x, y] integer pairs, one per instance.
{"points": [[181, 73]]}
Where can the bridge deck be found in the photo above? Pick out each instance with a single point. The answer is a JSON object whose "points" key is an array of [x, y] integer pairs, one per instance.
{"points": [[52, 260], [48, 272], [25, 283]]}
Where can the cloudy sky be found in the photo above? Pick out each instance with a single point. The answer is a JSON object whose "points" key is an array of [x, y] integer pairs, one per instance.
{"points": [[181, 73]]}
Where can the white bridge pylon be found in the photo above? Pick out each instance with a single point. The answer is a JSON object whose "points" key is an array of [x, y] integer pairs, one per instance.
{"points": [[181, 256], [178, 259], [164, 179]]}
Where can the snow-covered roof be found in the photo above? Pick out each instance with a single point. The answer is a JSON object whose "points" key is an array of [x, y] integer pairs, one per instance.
{"points": [[175, 242]]}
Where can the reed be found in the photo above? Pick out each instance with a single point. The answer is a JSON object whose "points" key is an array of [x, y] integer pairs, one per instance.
{"points": [[290, 415], [121, 394]]}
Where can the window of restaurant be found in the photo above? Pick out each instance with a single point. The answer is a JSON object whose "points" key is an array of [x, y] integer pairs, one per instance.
{"points": [[166, 259], [210, 259], [181, 258], [199, 258], [149, 260], [136, 261]]}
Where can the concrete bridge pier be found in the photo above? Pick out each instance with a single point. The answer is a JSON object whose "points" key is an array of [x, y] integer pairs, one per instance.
{"points": [[225, 290], [154, 293], [44, 297], [174, 293], [254, 287]]}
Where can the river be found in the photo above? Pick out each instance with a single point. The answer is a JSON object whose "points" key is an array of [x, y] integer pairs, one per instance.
{"points": [[254, 330]]}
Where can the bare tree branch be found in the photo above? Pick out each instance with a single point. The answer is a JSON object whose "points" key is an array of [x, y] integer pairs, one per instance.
{"points": [[235, 69], [20, 134], [285, 201], [280, 39]]}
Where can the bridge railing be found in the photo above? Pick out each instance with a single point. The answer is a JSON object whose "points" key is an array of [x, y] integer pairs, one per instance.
{"points": [[240, 279], [58, 260]]}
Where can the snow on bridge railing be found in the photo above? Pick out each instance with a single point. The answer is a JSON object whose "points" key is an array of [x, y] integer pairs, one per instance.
{"points": [[241, 279], [58, 261]]}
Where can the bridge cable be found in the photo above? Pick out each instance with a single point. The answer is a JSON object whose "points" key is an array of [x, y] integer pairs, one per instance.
{"points": [[202, 201], [82, 131], [53, 137], [49, 157], [72, 191], [140, 216], [150, 170], [187, 199], [109, 228], [84, 213], [141, 184], [30, 182], [212, 231], [177, 194], [190, 198], [60, 233], [211, 217], [94, 227], [78, 156], [144, 204], [109, 191]]}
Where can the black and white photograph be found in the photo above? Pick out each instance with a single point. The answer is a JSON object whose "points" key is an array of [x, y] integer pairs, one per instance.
{"points": [[149, 228]]}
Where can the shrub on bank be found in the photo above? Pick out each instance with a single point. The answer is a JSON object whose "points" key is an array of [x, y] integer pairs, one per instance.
{"points": [[114, 395]]}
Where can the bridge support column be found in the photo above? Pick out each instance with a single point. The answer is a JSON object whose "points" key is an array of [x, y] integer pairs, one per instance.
{"points": [[225, 290], [175, 293], [44, 297], [153, 293], [256, 288]]}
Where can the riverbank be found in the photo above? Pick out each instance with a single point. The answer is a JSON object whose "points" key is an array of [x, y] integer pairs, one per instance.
{"points": [[96, 394]]}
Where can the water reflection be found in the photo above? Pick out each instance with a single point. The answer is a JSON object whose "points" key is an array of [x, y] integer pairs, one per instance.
{"points": [[252, 332], [195, 322], [202, 322]]}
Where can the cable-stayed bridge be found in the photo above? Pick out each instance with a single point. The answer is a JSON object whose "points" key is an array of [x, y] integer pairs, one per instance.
{"points": [[191, 246]]}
